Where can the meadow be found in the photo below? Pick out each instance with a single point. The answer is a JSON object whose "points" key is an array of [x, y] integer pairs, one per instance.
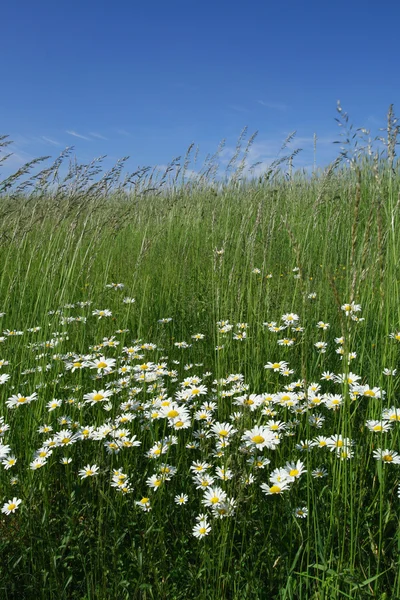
{"points": [[199, 379]]}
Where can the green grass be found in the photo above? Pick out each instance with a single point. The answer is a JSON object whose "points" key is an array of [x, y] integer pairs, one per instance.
{"points": [[63, 240]]}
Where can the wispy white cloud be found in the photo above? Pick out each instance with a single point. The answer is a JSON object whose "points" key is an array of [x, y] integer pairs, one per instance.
{"points": [[78, 135], [273, 105], [97, 135], [238, 108], [50, 141], [123, 132]]}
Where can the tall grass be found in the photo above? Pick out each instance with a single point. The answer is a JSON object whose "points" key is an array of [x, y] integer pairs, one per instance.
{"points": [[200, 251]]}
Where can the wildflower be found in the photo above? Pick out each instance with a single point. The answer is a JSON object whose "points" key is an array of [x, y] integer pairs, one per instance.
{"points": [[66, 460], [144, 504], [102, 313], [395, 336], [88, 471], [321, 346], [286, 342], [201, 529], [9, 462], [4, 378], [213, 496], [319, 473], [103, 364], [181, 499], [224, 474], [224, 509], [95, 397], [260, 437], [37, 463], [203, 481], [11, 506], [199, 467], [275, 488], [389, 372], [301, 513], [351, 308], [327, 376], [18, 400], [223, 430], [372, 392], [129, 300], [154, 482], [65, 437], [391, 414], [333, 401], [388, 456], [379, 426], [276, 366], [290, 318], [322, 325], [294, 470]]}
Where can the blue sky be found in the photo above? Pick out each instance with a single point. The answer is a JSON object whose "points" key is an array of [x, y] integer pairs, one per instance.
{"points": [[146, 79]]}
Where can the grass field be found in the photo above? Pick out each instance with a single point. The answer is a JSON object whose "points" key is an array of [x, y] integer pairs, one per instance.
{"points": [[199, 381]]}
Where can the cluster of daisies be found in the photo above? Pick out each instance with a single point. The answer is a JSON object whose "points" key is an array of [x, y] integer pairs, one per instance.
{"points": [[129, 397]]}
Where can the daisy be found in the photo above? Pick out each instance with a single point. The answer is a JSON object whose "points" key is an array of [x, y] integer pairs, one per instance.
{"points": [[213, 496], [102, 313], [301, 512], [388, 456], [275, 488], [201, 529], [319, 473], [88, 471], [103, 364], [389, 372], [379, 426], [395, 336], [181, 499], [95, 397], [144, 504], [260, 437], [223, 430], [9, 462], [276, 366], [18, 400], [11, 506], [294, 470]]}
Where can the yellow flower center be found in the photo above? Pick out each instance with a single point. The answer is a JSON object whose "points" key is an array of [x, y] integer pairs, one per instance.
{"points": [[22, 399], [179, 424], [293, 472], [98, 397], [387, 458], [77, 365], [369, 393], [223, 433], [144, 500], [275, 489], [202, 530], [101, 365], [276, 366], [377, 428], [172, 414], [214, 500], [12, 506], [65, 440], [258, 439]]}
